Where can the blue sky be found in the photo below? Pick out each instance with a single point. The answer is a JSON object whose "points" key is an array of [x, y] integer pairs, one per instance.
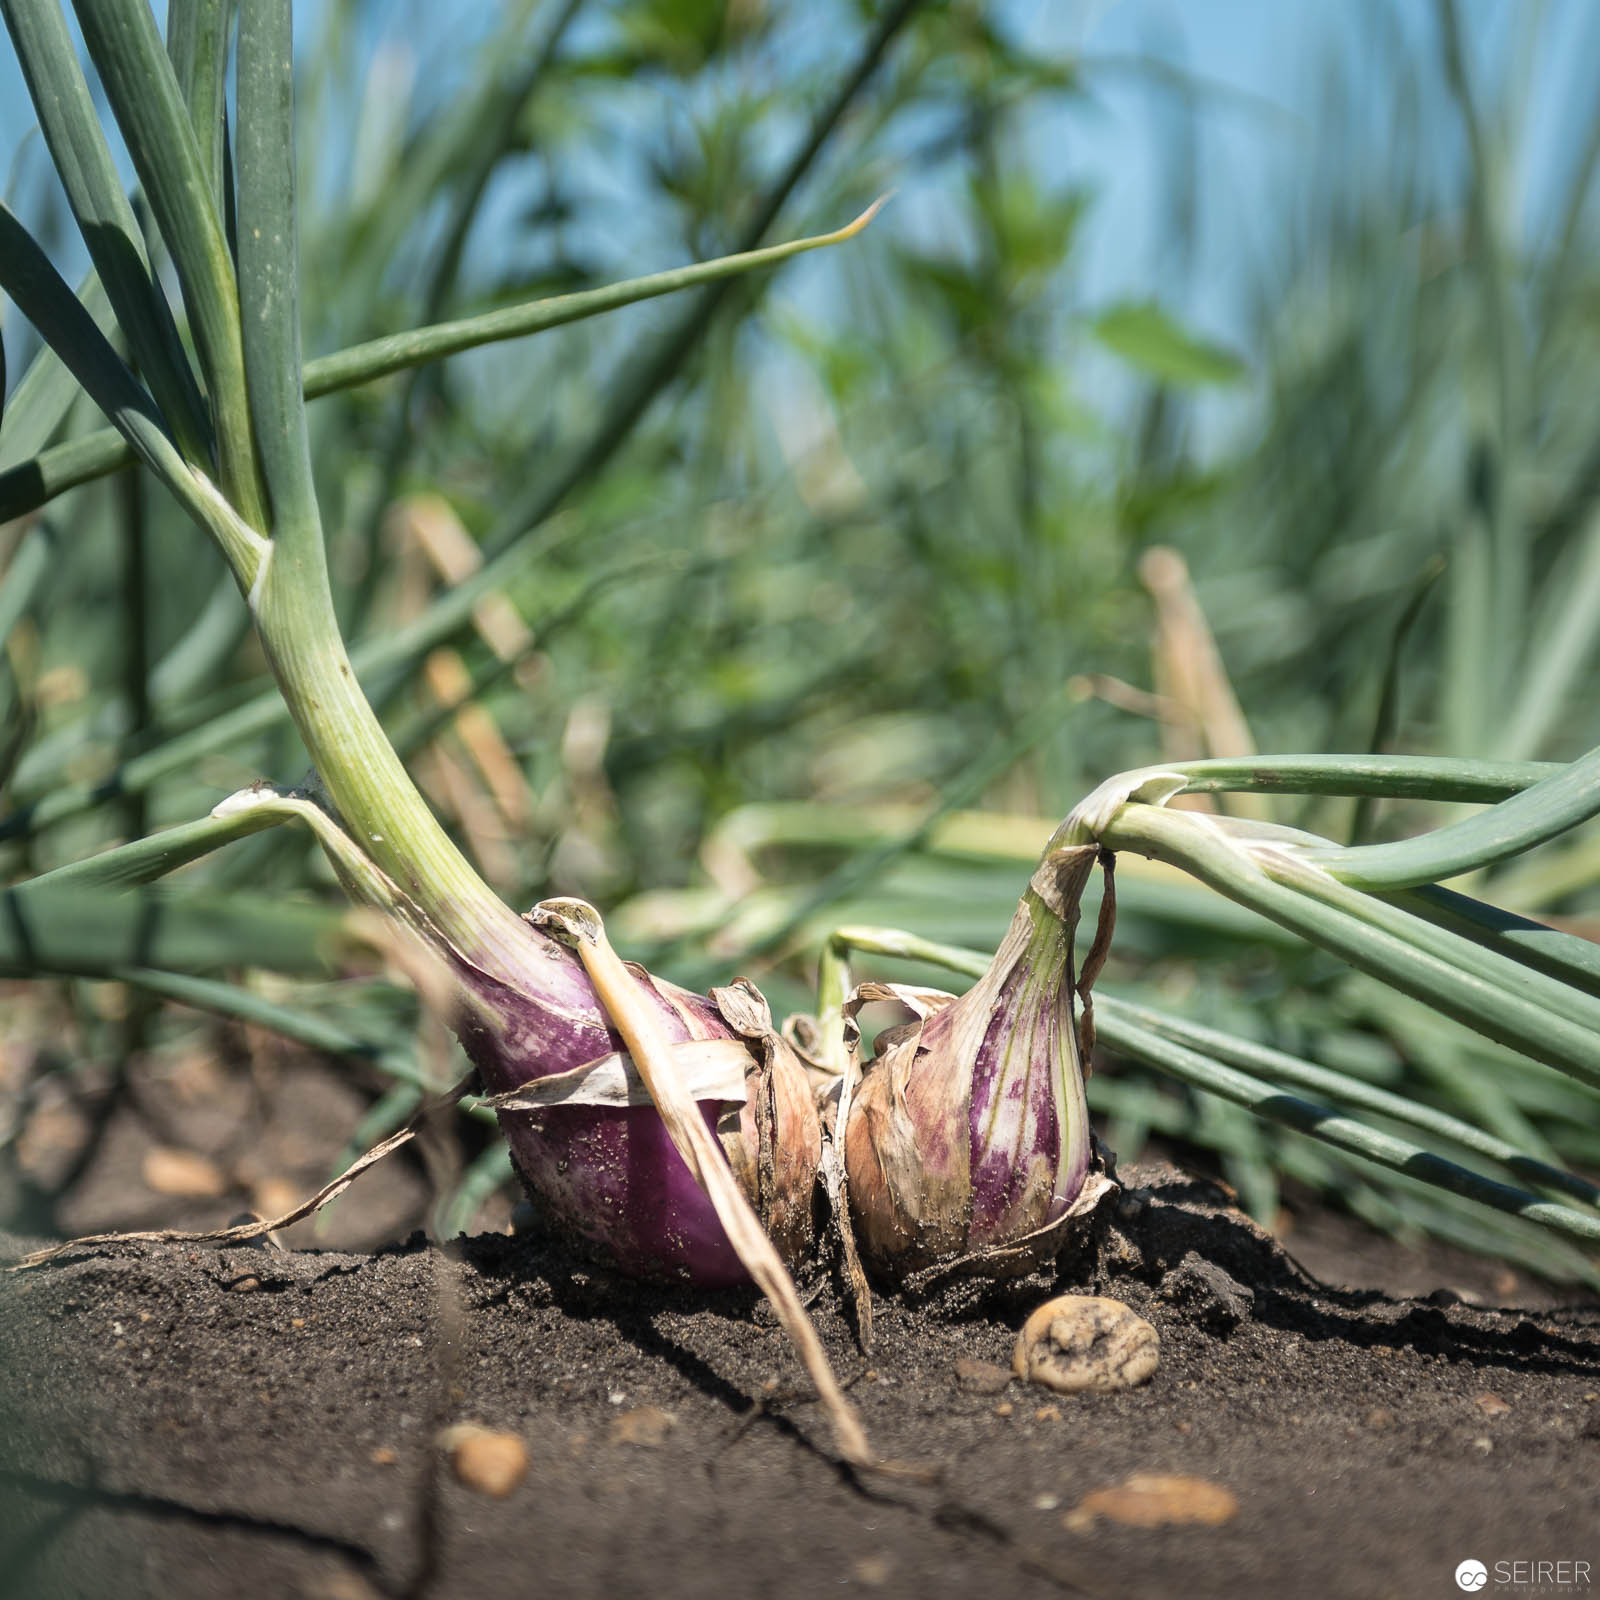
{"points": [[1256, 66]]}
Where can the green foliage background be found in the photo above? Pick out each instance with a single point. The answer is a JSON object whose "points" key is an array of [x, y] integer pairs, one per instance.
{"points": [[818, 562]]}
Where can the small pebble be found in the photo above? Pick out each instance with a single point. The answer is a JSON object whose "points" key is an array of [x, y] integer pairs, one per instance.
{"points": [[182, 1174], [1380, 1417], [1004, 1409], [644, 1425], [982, 1376], [383, 1456], [1046, 1502], [1085, 1342], [1491, 1405], [488, 1462], [873, 1571], [1047, 1414], [1483, 1445], [1153, 1500]]}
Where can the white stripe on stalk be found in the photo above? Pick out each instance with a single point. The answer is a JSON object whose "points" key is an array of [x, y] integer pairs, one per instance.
{"points": [[247, 550]]}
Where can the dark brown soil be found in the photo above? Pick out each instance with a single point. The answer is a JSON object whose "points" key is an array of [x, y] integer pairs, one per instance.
{"points": [[185, 1421]]}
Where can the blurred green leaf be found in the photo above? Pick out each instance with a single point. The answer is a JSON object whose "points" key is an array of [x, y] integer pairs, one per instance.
{"points": [[48, 929], [180, 185], [145, 860], [28, 484], [1146, 337], [77, 144], [884, 512], [45, 392]]}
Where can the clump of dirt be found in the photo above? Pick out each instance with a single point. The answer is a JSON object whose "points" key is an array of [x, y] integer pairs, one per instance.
{"points": [[186, 1421]]}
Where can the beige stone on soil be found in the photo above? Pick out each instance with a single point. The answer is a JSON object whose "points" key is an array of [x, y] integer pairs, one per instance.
{"points": [[1153, 1500], [982, 1376], [182, 1174], [1080, 1342], [873, 1571], [643, 1425], [488, 1462]]}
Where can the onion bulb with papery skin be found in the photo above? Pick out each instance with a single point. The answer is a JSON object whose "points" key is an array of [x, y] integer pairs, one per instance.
{"points": [[604, 1169], [968, 1136], [585, 1137]]}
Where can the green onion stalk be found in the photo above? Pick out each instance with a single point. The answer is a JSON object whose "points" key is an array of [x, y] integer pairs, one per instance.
{"points": [[230, 441]]}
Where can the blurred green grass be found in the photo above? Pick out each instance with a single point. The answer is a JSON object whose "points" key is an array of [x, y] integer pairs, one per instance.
{"points": [[875, 547]]}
